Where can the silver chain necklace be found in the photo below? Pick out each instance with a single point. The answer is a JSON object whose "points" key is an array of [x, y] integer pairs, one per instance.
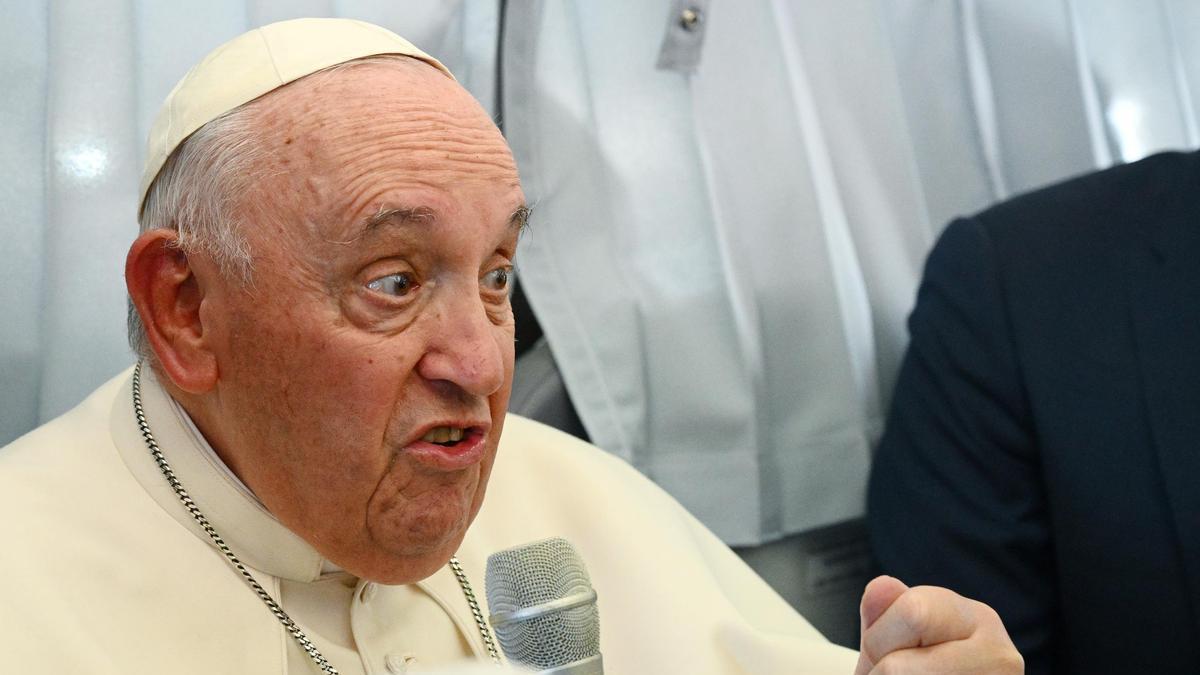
{"points": [[288, 624]]}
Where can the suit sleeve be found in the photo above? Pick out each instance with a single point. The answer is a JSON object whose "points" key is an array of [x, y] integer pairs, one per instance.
{"points": [[955, 496]]}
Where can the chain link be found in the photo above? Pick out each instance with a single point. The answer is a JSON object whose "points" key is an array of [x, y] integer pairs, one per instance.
{"points": [[292, 628], [488, 642]]}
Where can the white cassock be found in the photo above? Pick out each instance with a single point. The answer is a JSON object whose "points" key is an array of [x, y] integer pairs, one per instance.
{"points": [[102, 570]]}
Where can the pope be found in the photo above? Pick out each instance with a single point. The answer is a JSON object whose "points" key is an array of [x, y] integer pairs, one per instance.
{"points": [[310, 462]]}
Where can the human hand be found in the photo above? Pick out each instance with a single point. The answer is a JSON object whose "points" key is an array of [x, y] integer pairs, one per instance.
{"points": [[931, 630]]}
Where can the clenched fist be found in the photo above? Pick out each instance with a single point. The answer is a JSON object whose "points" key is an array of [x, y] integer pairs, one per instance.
{"points": [[930, 630]]}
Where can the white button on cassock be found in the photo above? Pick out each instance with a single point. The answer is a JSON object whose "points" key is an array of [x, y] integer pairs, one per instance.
{"points": [[399, 663]]}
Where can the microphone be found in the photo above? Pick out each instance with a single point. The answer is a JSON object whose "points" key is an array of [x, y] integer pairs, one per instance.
{"points": [[544, 608]]}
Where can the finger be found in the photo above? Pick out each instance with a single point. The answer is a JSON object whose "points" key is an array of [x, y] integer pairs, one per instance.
{"points": [[921, 617], [864, 665], [877, 597], [961, 657]]}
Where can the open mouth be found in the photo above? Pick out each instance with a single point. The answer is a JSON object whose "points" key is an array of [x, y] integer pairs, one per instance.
{"points": [[447, 437], [450, 448]]}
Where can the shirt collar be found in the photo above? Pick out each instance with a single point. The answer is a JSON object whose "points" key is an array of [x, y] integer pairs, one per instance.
{"points": [[252, 533]]}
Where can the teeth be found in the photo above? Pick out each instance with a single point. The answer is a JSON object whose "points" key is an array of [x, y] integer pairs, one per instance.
{"points": [[443, 435]]}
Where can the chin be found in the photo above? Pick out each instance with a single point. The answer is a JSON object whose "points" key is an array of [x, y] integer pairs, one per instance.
{"points": [[408, 569], [418, 558], [409, 544]]}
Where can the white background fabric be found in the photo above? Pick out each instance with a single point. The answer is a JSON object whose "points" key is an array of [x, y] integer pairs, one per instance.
{"points": [[722, 261]]}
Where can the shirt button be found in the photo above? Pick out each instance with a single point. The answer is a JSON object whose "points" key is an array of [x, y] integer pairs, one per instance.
{"points": [[399, 663], [690, 19], [368, 591]]}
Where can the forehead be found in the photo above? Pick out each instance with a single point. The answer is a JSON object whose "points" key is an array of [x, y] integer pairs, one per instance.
{"points": [[379, 135]]}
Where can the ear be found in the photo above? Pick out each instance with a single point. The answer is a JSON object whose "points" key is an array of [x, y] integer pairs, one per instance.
{"points": [[167, 294]]}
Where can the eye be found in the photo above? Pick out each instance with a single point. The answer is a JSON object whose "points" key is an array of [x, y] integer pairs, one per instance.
{"points": [[498, 279], [396, 285]]}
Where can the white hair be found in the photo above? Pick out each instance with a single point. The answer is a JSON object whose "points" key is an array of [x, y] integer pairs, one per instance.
{"points": [[196, 194], [200, 186]]}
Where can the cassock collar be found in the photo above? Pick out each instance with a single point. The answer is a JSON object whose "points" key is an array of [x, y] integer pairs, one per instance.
{"points": [[253, 534]]}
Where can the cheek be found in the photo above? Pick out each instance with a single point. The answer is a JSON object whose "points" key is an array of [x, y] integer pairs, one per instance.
{"points": [[506, 344], [320, 387], [485, 474]]}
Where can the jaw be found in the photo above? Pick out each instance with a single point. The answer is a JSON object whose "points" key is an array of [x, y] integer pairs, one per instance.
{"points": [[407, 531]]}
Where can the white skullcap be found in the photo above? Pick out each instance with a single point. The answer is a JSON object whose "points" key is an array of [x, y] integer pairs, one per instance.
{"points": [[258, 62]]}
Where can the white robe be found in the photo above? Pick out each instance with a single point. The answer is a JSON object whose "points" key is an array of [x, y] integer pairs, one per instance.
{"points": [[102, 570]]}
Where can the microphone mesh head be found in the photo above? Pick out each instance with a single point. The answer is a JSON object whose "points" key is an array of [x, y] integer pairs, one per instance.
{"points": [[532, 575]]}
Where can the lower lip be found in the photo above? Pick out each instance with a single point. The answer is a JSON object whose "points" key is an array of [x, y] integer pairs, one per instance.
{"points": [[465, 453]]}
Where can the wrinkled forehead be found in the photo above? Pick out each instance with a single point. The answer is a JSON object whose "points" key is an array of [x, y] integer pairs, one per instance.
{"points": [[381, 136], [394, 122], [371, 95]]}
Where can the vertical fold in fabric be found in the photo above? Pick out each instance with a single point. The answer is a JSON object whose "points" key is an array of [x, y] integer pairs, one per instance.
{"points": [[1183, 20], [1040, 117], [91, 190], [983, 98], [1102, 154], [23, 51], [1179, 67], [550, 125], [1129, 49]]}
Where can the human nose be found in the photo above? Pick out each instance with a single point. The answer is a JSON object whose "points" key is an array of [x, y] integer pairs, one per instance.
{"points": [[465, 347]]}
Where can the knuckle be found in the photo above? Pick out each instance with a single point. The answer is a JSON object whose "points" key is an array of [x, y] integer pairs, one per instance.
{"points": [[914, 609], [987, 615], [1012, 662]]}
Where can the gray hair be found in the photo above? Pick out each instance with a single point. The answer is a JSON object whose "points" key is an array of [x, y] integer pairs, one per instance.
{"points": [[196, 194], [198, 190]]}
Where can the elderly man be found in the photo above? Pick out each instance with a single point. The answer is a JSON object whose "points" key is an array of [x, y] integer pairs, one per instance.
{"points": [[285, 483]]}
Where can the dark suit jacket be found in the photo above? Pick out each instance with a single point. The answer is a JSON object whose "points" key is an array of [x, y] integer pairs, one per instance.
{"points": [[1043, 448]]}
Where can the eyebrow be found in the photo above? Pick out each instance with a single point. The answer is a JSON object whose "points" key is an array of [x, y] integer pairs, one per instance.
{"points": [[406, 215], [519, 219], [402, 215]]}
